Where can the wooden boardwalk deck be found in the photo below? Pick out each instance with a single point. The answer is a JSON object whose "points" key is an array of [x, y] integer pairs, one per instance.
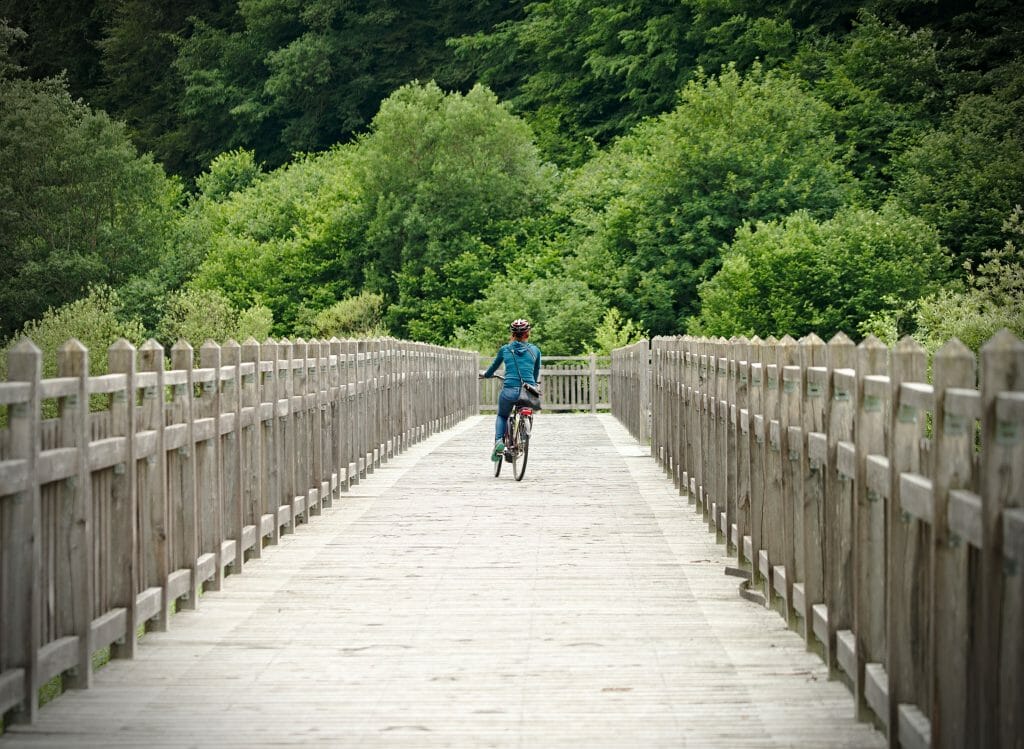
{"points": [[435, 605]]}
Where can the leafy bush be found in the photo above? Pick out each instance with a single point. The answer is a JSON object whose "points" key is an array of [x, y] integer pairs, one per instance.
{"points": [[94, 320], [990, 299], [615, 332], [198, 315], [360, 316], [564, 313], [799, 276]]}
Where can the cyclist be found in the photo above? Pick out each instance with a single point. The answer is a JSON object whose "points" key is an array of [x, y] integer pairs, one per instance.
{"points": [[522, 364]]}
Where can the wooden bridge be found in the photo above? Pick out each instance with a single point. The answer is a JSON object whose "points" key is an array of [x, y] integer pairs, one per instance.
{"points": [[303, 544]]}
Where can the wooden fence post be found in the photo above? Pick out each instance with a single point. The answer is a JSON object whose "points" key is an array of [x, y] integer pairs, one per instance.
{"points": [[124, 499], [20, 535], [209, 467], [789, 521], [76, 512], [252, 444], [810, 538], [950, 610], [154, 531], [181, 476], [869, 518], [908, 574], [840, 471], [232, 443], [1000, 672]]}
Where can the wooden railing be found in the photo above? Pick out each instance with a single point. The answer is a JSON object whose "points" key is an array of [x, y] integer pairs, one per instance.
{"points": [[631, 388], [570, 383], [111, 518], [882, 511]]}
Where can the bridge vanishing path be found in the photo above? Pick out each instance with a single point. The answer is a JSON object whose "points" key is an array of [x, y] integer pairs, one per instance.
{"points": [[435, 605]]}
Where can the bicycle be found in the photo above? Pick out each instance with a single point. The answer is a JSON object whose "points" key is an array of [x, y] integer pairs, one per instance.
{"points": [[517, 442]]}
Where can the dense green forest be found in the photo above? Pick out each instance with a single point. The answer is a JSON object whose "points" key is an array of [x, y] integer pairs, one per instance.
{"points": [[430, 170]]}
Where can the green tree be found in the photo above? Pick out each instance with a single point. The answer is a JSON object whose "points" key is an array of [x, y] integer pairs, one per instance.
{"points": [[78, 205], [444, 178], [285, 241], [198, 315], [282, 77], [800, 276], [564, 313], [885, 85], [360, 316], [966, 175], [991, 298], [736, 149], [141, 84], [615, 332]]}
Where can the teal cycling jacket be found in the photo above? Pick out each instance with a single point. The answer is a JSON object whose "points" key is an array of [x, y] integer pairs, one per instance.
{"points": [[525, 355]]}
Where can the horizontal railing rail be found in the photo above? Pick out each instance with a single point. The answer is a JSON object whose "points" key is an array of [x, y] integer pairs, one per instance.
{"points": [[110, 519], [882, 510]]}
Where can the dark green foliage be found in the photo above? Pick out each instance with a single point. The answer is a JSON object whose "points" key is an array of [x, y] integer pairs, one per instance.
{"points": [[967, 174], [283, 77], [78, 205], [140, 82]]}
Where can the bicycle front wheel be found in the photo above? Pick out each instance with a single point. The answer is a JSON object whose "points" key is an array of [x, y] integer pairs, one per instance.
{"points": [[523, 452]]}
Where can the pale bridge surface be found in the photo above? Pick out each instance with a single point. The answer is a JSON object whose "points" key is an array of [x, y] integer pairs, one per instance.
{"points": [[435, 605]]}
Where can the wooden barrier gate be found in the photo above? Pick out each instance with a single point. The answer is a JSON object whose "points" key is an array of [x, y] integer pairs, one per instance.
{"points": [[882, 513], [570, 383], [111, 517]]}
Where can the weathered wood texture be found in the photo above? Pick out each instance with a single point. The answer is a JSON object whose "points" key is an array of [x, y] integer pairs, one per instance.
{"points": [[437, 606], [569, 383], [630, 386], [110, 518], [883, 513]]}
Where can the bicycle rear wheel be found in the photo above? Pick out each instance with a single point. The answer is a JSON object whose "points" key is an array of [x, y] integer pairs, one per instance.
{"points": [[522, 449]]}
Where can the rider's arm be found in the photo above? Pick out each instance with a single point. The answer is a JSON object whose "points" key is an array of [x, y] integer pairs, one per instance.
{"points": [[536, 366], [494, 365]]}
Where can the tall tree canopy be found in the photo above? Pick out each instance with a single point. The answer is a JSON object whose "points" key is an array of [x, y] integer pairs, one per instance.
{"points": [[78, 205]]}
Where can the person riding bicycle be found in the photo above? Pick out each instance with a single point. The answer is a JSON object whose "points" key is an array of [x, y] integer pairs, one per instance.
{"points": [[522, 364]]}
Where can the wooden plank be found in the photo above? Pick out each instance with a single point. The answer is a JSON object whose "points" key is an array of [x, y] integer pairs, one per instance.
{"points": [[108, 629], [876, 691], [179, 584], [964, 517], [149, 604], [916, 497], [77, 566], [14, 476], [870, 431], [915, 731], [12, 688], [58, 656], [846, 652], [154, 518], [819, 614]]}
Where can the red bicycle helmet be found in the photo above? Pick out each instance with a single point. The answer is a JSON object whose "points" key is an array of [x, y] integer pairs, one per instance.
{"points": [[519, 326]]}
